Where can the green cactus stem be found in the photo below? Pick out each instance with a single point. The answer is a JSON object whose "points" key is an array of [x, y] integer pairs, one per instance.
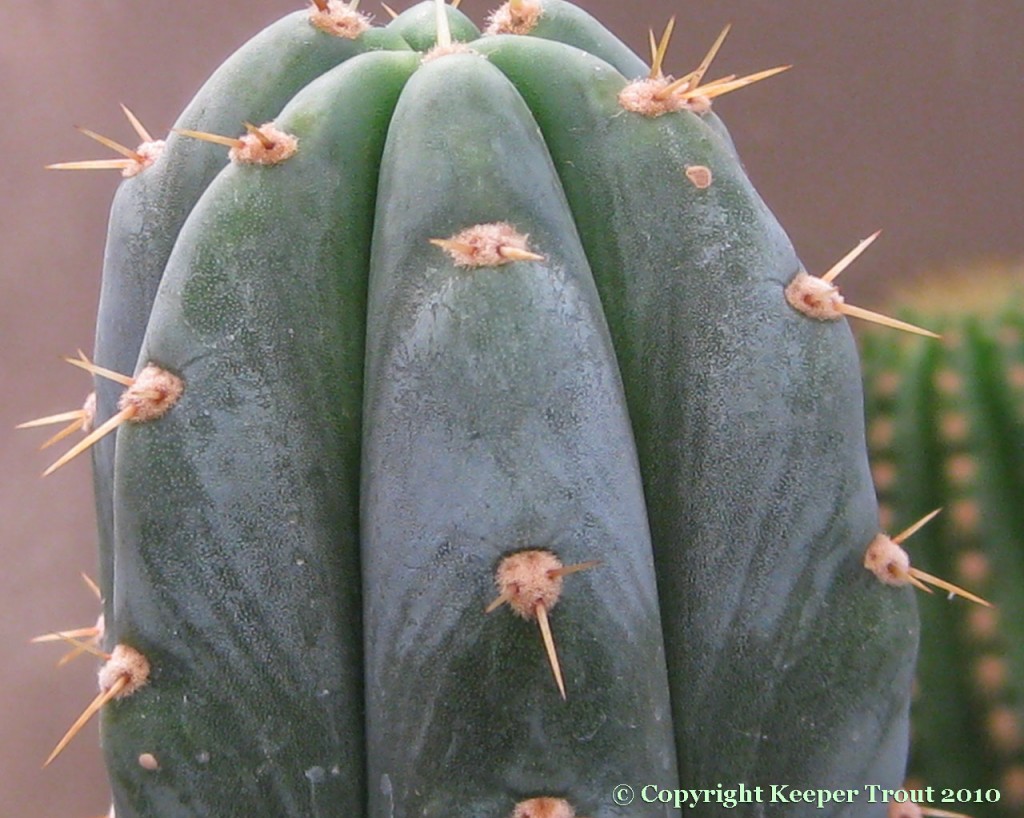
{"points": [[525, 434], [471, 459], [152, 204]]}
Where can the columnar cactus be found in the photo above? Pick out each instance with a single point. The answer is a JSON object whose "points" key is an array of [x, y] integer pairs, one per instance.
{"points": [[947, 430], [470, 441]]}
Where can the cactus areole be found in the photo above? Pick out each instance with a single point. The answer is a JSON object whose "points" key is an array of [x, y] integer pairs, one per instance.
{"points": [[461, 454]]}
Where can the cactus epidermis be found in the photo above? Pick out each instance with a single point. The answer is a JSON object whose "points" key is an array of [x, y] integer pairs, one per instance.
{"points": [[509, 319]]}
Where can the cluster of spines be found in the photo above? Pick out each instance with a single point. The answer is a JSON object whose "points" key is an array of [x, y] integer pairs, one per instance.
{"points": [[153, 392]]}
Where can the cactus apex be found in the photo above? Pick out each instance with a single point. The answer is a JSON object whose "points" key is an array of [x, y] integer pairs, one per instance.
{"points": [[487, 245], [125, 671]]}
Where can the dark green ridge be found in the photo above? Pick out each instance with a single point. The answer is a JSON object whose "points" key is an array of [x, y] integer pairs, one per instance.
{"points": [[495, 422], [149, 208], [237, 513], [773, 627]]}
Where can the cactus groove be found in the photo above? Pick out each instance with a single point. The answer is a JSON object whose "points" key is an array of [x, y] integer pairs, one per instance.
{"points": [[492, 469]]}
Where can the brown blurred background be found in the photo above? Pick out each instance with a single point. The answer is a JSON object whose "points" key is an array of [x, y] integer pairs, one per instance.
{"points": [[903, 115]]}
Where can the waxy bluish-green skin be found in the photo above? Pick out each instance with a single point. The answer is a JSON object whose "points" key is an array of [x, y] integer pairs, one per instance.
{"points": [[789, 662], [148, 210], [237, 544], [494, 422]]}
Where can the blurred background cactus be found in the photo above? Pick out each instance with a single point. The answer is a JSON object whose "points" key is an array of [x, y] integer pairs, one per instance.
{"points": [[946, 430]]}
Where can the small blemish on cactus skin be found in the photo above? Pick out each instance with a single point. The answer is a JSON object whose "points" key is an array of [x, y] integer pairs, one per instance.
{"points": [[148, 396], [817, 297], [132, 162], [890, 563], [544, 807], [148, 762], [700, 176], [514, 17], [487, 245], [260, 145], [122, 675], [530, 583], [338, 18]]}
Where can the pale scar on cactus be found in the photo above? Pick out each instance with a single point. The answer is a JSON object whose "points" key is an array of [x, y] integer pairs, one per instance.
{"points": [[465, 312]]}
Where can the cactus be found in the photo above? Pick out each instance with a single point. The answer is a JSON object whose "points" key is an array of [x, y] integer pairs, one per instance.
{"points": [[478, 445], [947, 430]]}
